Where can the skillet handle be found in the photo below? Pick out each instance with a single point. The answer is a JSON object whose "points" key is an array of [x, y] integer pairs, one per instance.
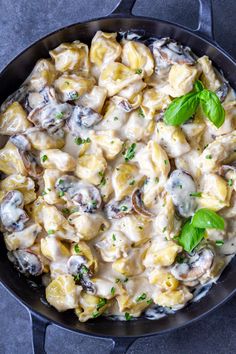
{"points": [[38, 326], [121, 345], [205, 21], [124, 7]]}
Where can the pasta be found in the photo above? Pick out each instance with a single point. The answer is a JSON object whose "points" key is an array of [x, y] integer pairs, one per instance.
{"points": [[97, 190]]}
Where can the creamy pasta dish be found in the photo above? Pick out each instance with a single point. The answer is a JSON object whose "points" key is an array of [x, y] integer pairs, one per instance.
{"points": [[118, 176]]}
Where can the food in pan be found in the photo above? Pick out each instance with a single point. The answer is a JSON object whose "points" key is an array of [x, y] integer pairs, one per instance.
{"points": [[118, 176]]}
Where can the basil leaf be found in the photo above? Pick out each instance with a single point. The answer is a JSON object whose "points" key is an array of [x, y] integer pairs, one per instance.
{"points": [[212, 107], [198, 86], [181, 109], [208, 219], [190, 236]]}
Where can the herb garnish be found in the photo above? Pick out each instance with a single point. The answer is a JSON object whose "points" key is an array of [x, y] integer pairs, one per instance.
{"points": [[80, 141], [59, 115], [196, 194], [102, 302], [138, 71], [219, 243], [128, 317], [44, 158], [77, 249], [184, 107], [141, 297], [50, 232], [130, 153], [113, 290]]}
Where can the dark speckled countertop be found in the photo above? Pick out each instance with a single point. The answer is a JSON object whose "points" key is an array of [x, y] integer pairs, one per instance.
{"points": [[21, 23]]}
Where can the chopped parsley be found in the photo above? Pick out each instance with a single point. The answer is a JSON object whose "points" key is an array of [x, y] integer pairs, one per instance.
{"points": [[130, 153], [61, 194], [50, 232], [66, 211], [156, 180], [128, 317], [59, 115], [102, 302], [164, 229], [219, 243], [96, 314], [138, 71], [165, 162], [113, 290], [180, 259], [77, 277], [117, 280], [113, 237], [149, 302], [74, 96], [131, 183], [123, 208], [125, 280], [44, 158], [44, 192], [77, 249], [140, 113], [80, 141], [103, 179], [208, 157], [196, 194], [141, 297], [230, 182], [140, 228], [94, 203], [116, 118], [84, 269]]}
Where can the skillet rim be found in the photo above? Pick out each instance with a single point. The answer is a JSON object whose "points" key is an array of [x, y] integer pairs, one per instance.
{"points": [[46, 320]]}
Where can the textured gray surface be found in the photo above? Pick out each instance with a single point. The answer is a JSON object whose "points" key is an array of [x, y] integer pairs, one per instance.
{"points": [[21, 23]]}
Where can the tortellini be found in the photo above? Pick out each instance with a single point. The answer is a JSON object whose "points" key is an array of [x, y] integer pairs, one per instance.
{"points": [[94, 99], [123, 178], [163, 255], [71, 57], [22, 183], [116, 76], [104, 48], [41, 140], [43, 74], [14, 120], [208, 76], [55, 158], [181, 79], [109, 143], [172, 139], [50, 177], [70, 87], [138, 57], [91, 167], [11, 161], [113, 245], [88, 225], [22, 239]]}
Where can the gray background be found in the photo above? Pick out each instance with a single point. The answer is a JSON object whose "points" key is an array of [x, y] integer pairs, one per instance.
{"points": [[21, 23]]}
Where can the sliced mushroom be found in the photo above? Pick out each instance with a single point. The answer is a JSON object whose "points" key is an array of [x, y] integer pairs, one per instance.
{"points": [[124, 104], [181, 185], [76, 266], [222, 91], [26, 262], [173, 53], [17, 96], [30, 160], [12, 215], [138, 205], [195, 266], [82, 117], [50, 116], [118, 209], [84, 195], [226, 168], [21, 142]]}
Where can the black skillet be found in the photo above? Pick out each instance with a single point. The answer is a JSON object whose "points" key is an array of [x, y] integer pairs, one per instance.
{"points": [[122, 333]]}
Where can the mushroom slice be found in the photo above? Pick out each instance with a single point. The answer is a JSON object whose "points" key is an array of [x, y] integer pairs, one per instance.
{"points": [[50, 116], [172, 52], [118, 209], [84, 195], [17, 96], [222, 91], [76, 266], [26, 262], [21, 142], [226, 168], [12, 215], [195, 267], [30, 160], [138, 205], [124, 103], [181, 185], [82, 117]]}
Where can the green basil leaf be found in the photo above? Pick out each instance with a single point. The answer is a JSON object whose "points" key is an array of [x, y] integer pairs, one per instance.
{"points": [[207, 219], [181, 109], [198, 86], [190, 236], [212, 107]]}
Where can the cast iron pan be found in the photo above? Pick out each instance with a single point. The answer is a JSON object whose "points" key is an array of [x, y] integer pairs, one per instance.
{"points": [[122, 333]]}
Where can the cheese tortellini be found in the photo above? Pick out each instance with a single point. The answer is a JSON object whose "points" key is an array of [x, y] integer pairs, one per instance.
{"points": [[95, 187]]}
